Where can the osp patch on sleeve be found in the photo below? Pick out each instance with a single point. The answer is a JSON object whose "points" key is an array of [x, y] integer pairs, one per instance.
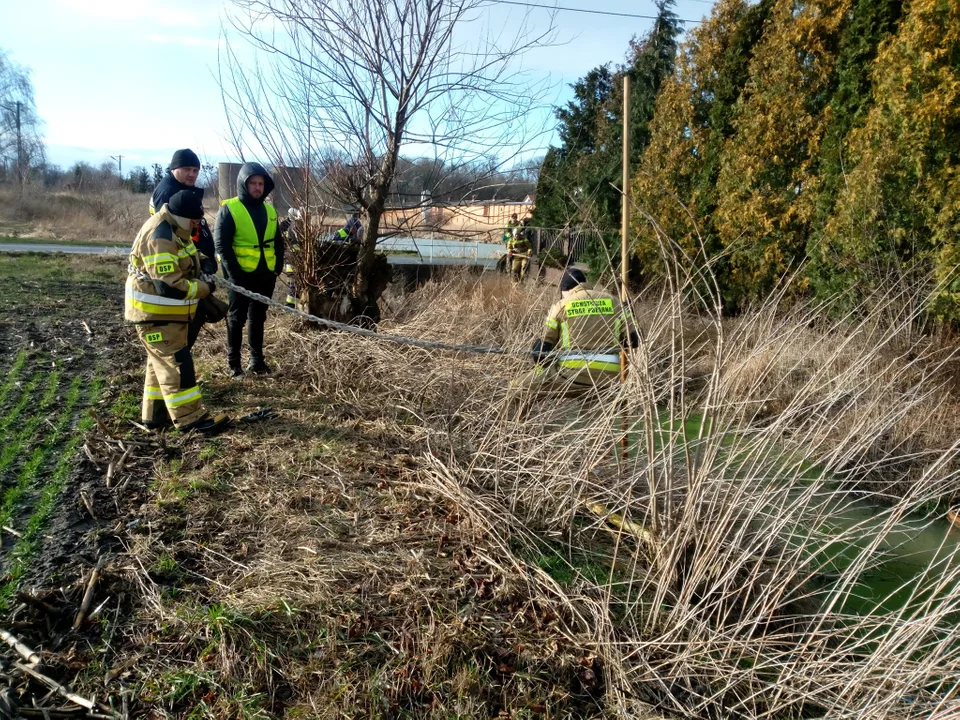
{"points": [[164, 268], [154, 337]]}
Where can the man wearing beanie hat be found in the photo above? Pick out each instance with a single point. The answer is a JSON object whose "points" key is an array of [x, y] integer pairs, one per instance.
{"points": [[581, 341], [182, 176], [250, 244], [162, 294]]}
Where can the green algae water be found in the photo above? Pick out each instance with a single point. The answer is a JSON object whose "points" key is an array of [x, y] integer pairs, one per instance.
{"points": [[873, 558]]}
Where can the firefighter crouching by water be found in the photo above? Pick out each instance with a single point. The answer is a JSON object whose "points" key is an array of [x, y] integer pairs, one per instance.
{"points": [[581, 342], [162, 293]]}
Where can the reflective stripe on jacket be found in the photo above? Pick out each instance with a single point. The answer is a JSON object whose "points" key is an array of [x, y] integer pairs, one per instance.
{"points": [[163, 282], [246, 242]]}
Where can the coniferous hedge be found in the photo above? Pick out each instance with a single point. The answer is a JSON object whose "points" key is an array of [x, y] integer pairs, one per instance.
{"points": [[816, 140]]}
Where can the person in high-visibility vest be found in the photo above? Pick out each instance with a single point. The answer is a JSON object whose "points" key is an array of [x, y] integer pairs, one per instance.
{"points": [[580, 345], [250, 245], [162, 295]]}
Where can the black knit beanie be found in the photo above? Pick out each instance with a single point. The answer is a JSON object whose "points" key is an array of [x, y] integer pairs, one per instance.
{"points": [[571, 278], [186, 204], [184, 158]]}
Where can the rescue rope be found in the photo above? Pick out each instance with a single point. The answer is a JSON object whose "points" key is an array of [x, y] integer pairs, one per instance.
{"points": [[344, 327]]}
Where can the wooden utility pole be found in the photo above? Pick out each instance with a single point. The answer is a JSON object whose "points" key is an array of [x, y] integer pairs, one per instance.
{"points": [[625, 242], [19, 150], [119, 159]]}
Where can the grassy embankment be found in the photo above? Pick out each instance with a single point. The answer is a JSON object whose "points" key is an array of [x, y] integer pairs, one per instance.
{"points": [[396, 545]]}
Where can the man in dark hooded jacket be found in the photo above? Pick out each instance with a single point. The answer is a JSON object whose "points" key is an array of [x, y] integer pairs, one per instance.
{"points": [[250, 246]]}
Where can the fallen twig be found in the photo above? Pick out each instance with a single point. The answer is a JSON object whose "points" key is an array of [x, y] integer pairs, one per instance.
{"points": [[54, 685], [7, 528], [31, 599], [88, 594], [25, 652], [87, 504], [100, 424]]}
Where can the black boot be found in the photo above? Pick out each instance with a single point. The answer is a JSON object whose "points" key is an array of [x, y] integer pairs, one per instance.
{"points": [[234, 341], [208, 425], [257, 366]]}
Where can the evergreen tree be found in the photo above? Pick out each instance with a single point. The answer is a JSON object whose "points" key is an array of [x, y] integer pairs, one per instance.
{"points": [[157, 174], [578, 124], [585, 171], [898, 213], [872, 23], [140, 180], [675, 183], [767, 186]]}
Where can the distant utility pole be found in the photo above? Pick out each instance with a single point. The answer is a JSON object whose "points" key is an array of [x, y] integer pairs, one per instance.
{"points": [[119, 159]]}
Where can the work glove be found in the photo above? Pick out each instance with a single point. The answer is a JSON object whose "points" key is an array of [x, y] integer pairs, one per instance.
{"points": [[541, 350], [213, 286], [208, 266]]}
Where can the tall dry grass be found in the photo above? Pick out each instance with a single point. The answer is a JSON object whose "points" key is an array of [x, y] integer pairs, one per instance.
{"points": [[707, 569], [98, 214]]}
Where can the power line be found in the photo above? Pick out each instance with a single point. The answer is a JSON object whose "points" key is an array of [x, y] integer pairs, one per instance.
{"points": [[560, 8]]}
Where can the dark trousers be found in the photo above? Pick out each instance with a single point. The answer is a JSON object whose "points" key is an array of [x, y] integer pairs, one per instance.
{"points": [[243, 309]]}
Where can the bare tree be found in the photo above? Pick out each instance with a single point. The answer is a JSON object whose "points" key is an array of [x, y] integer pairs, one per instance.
{"points": [[21, 146], [347, 84]]}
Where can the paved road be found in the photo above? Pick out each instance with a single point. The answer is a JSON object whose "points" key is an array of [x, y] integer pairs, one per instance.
{"points": [[64, 248]]}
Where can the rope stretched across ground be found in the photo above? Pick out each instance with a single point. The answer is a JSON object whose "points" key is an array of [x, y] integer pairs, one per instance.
{"points": [[344, 327]]}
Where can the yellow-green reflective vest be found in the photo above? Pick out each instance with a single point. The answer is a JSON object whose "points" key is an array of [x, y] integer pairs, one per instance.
{"points": [[246, 242]]}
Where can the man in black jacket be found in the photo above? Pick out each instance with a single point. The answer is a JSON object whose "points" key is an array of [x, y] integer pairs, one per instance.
{"points": [[182, 175], [250, 245]]}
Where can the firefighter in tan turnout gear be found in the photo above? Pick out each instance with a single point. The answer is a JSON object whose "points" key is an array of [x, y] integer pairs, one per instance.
{"points": [[162, 293], [581, 341]]}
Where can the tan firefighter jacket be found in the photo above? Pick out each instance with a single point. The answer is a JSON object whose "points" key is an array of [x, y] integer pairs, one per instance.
{"points": [[163, 282], [587, 328]]}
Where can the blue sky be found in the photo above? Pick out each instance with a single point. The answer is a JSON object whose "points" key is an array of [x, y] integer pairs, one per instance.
{"points": [[138, 77]]}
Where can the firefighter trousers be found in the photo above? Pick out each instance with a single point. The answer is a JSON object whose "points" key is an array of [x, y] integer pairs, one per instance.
{"points": [[170, 385], [518, 267], [553, 383]]}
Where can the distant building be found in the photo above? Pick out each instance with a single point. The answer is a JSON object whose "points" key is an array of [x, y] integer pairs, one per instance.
{"points": [[480, 214]]}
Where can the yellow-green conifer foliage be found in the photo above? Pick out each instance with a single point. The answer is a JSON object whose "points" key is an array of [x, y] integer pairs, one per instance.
{"points": [[900, 207], [674, 186], [768, 178]]}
